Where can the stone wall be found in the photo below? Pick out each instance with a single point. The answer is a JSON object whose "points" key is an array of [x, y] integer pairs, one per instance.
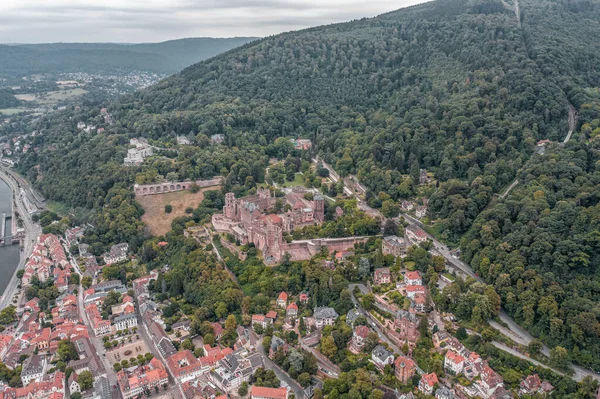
{"points": [[160, 188]]}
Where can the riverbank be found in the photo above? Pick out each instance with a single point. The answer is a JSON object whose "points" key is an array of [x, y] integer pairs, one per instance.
{"points": [[9, 254], [32, 232]]}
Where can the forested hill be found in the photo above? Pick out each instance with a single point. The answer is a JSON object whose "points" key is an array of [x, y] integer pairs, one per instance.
{"points": [[110, 58], [463, 88]]}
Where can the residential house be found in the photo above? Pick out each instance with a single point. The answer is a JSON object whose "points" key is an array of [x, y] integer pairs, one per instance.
{"points": [[292, 310], [421, 212], [413, 290], [428, 383], [381, 356], [282, 299], [262, 320], [405, 369], [351, 316], [413, 278], [440, 338], [117, 253], [382, 276], [532, 385], [406, 206], [393, 245], [358, 338], [268, 393], [304, 298], [490, 381], [420, 303], [324, 316], [454, 363], [444, 393], [415, 234]]}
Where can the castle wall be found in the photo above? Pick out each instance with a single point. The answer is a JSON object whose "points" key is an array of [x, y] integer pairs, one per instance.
{"points": [[159, 188]]}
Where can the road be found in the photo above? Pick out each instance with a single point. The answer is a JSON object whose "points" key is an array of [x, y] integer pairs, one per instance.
{"points": [[372, 323], [572, 124], [283, 376], [32, 232], [99, 345], [174, 389], [516, 331]]}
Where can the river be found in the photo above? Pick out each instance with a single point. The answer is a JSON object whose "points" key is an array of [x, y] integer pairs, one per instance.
{"points": [[9, 254]]}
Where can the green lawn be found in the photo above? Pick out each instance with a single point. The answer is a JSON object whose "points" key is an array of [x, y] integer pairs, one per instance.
{"points": [[12, 111], [298, 181]]}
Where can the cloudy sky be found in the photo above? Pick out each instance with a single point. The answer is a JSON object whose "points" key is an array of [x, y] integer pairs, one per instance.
{"points": [[42, 21]]}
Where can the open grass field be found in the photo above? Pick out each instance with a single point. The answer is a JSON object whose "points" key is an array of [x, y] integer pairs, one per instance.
{"points": [[155, 217], [25, 97], [51, 97], [11, 111]]}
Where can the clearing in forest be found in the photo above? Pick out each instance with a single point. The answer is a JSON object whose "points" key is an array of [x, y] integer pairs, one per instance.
{"points": [[155, 217]]}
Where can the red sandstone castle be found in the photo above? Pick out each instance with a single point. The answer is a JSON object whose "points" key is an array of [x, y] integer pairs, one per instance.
{"points": [[246, 219]]}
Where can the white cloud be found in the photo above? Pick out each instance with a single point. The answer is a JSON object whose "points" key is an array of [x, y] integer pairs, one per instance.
{"points": [[35, 21]]}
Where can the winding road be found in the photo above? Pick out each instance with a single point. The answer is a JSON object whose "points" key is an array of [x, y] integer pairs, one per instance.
{"points": [[517, 333]]}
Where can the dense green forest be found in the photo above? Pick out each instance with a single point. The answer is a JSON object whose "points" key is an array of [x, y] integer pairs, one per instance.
{"points": [[110, 58], [462, 88], [7, 99]]}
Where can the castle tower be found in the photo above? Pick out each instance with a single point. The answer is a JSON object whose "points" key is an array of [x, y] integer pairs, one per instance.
{"points": [[319, 204], [229, 208]]}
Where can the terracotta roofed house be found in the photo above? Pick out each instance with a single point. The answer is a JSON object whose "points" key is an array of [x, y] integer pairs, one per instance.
{"points": [[427, 383], [282, 299], [268, 393], [184, 366]]}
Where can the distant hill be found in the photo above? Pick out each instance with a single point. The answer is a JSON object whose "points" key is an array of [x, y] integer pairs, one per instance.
{"points": [[111, 58]]}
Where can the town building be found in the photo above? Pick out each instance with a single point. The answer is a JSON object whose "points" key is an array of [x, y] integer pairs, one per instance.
{"points": [[125, 322], [413, 278], [454, 363], [261, 320], [358, 338], [381, 356], [532, 384], [184, 366], [135, 156], [268, 393], [33, 369], [382, 276], [393, 245], [421, 211], [405, 369], [324, 316], [415, 234], [351, 316], [301, 144], [117, 253], [282, 299], [292, 310], [428, 383], [406, 326], [444, 393], [135, 381]]}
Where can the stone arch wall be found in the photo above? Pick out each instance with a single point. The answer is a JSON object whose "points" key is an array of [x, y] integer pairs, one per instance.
{"points": [[160, 188]]}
